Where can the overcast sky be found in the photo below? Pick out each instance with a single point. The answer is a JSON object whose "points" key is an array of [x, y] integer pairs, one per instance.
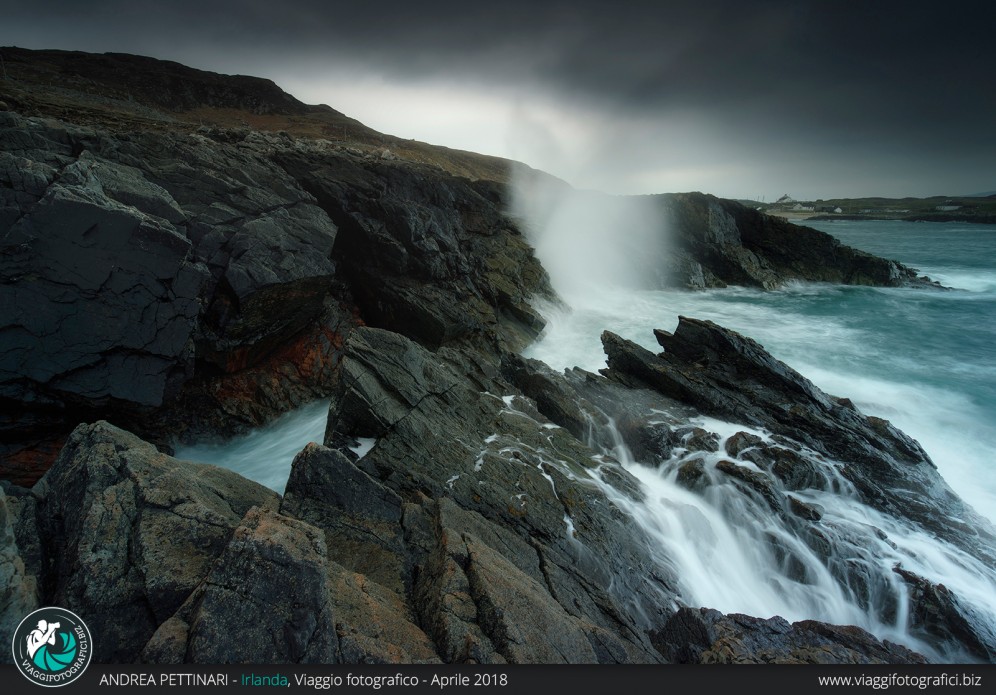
{"points": [[740, 99]]}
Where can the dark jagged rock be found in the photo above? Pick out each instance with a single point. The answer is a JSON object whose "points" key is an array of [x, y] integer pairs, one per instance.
{"points": [[137, 263], [126, 533], [692, 475], [202, 260], [778, 473], [428, 255], [718, 242], [706, 636], [298, 372], [553, 398], [651, 426], [751, 482], [939, 614], [404, 555], [724, 374], [173, 283], [195, 281], [361, 517], [104, 297], [804, 510], [514, 480]]}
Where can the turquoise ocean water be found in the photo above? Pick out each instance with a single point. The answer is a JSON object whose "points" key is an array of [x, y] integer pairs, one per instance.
{"points": [[924, 359]]}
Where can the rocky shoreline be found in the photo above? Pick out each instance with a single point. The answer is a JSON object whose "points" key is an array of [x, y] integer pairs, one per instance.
{"points": [[169, 285]]}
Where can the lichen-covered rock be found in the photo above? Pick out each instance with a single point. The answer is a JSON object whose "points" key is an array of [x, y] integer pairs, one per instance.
{"points": [[129, 532], [706, 636], [266, 600], [361, 517], [18, 586]]}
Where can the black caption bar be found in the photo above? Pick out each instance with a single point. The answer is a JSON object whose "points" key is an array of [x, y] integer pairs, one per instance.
{"points": [[521, 680]]}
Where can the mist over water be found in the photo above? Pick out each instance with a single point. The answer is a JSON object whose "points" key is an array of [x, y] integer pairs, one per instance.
{"points": [[588, 241]]}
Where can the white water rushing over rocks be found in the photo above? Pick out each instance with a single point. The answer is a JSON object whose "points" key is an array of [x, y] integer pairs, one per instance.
{"points": [[265, 454], [922, 359]]}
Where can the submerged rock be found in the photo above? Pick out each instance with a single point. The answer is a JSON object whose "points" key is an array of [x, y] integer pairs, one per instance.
{"points": [[939, 614]]}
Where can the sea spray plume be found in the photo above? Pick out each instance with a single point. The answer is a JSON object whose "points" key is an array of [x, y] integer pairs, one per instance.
{"points": [[588, 241]]}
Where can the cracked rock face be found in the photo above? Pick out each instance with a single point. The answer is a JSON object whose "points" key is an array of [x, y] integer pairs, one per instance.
{"points": [[127, 533], [266, 600], [172, 282], [119, 256], [494, 490], [103, 298], [428, 255]]}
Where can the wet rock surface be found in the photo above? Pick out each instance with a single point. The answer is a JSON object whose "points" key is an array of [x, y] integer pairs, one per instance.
{"points": [[939, 613], [380, 559], [515, 483], [722, 373]]}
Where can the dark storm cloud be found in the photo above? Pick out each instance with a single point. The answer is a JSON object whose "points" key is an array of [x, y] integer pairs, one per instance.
{"points": [[904, 80]]}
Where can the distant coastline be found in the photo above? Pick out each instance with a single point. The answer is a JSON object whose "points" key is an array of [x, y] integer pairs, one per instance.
{"points": [[973, 209], [940, 217]]}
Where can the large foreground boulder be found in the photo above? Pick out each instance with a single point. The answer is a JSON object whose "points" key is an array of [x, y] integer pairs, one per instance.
{"points": [[125, 533]]}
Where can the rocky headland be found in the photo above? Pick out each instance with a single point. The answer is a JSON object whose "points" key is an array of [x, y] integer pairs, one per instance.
{"points": [[186, 255]]}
